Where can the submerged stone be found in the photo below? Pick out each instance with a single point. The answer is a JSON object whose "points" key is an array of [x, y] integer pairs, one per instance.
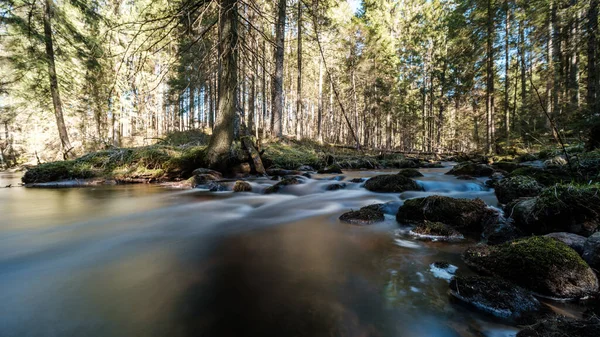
{"points": [[465, 215], [365, 216], [494, 296], [392, 183], [516, 187], [543, 265]]}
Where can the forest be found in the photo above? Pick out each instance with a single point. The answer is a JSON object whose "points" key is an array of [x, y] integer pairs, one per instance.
{"points": [[437, 76]]}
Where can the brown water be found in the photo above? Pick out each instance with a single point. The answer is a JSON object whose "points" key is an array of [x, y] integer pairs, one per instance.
{"points": [[150, 261]]}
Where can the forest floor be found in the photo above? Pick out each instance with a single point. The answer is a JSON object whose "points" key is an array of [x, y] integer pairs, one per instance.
{"points": [[178, 155]]}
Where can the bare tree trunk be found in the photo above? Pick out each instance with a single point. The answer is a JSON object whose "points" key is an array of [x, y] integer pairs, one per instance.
{"points": [[489, 92], [507, 72], [222, 138], [54, 90], [592, 53], [299, 87], [277, 83], [320, 104]]}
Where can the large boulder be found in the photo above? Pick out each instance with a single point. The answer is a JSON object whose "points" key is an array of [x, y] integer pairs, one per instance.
{"points": [[494, 296], [465, 215], [591, 251], [203, 176], [563, 327], [392, 183], [516, 187], [540, 264], [572, 240], [560, 208], [501, 232], [472, 169], [365, 216], [285, 182], [436, 231]]}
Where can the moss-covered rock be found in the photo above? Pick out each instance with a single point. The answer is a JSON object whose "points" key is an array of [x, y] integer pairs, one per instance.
{"points": [[331, 169], [540, 264], [288, 181], [242, 186], [464, 177], [527, 157], [572, 240], [437, 231], [563, 327], [494, 296], [365, 216], [465, 215], [55, 171], [472, 169], [561, 208], [516, 187], [410, 173], [392, 183], [546, 177]]}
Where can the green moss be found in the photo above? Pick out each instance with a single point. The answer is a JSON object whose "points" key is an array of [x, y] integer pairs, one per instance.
{"points": [[539, 263], [516, 187], [62, 170], [545, 177], [365, 216], [472, 169]]}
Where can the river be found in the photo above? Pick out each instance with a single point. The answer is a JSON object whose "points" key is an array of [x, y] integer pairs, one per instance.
{"points": [[146, 260]]}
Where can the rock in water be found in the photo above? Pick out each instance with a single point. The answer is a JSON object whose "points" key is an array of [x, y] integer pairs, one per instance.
{"points": [[472, 169], [436, 231], [335, 187], [516, 187], [392, 183], [560, 208], [242, 186], [591, 251], [572, 240], [365, 216], [410, 173], [285, 182], [563, 327], [465, 215], [540, 264], [494, 296]]}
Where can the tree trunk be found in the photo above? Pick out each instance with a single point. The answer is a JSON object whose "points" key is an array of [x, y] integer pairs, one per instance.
{"points": [[489, 92], [222, 138], [54, 90], [320, 104], [507, 72], [277, 83], [592, 53], [299, 87]]}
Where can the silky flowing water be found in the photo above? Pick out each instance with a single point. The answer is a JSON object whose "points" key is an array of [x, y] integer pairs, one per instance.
{"points": [[145, 260]]}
